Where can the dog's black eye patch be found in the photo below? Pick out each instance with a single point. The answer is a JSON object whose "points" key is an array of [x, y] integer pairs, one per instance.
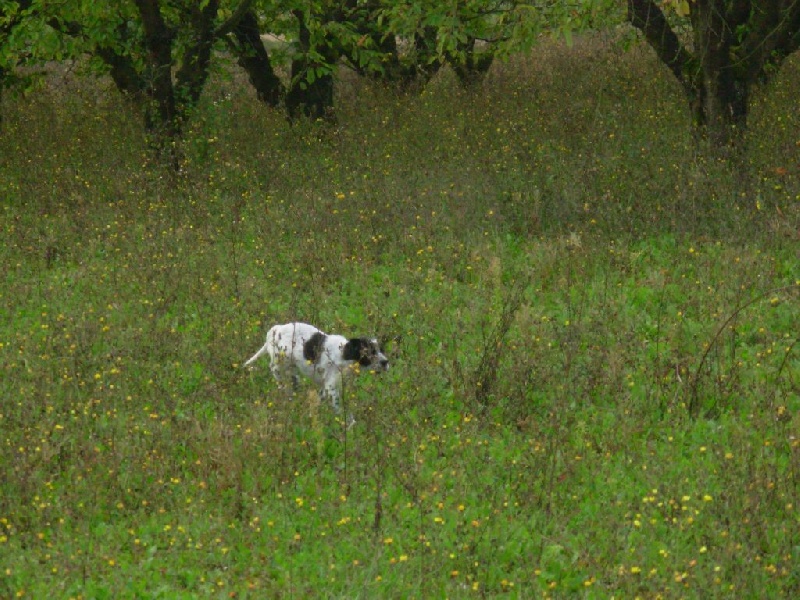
{"points": [[312, 349], [369, 351], [359, 349]]}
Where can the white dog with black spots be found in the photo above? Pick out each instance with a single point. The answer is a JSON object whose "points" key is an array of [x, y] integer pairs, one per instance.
{"points": [[325, 359]]}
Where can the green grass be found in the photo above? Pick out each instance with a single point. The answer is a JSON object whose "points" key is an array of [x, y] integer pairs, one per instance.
{"points": [[596, 392]]}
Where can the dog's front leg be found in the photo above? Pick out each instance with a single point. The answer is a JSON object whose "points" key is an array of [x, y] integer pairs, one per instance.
{"points": [[331, 392]]}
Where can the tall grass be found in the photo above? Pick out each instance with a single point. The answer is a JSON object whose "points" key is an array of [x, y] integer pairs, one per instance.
{"points": [[595, 391]]}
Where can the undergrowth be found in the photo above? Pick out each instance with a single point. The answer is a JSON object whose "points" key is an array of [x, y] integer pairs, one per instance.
{"points": [[595, 381]]}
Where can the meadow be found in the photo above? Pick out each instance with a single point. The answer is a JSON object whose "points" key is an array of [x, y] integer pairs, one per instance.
{"points": [[594, 393]]}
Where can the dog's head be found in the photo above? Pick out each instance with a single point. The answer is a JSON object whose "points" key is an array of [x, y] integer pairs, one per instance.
{"points": [[367, 353]]}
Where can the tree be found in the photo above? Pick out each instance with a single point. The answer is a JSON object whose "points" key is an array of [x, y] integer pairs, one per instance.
{"points": [[316, 53], [10, 17], [252, 56], [408, 41], [159, 52], [464, 35], [18, 34], [735, 44]]}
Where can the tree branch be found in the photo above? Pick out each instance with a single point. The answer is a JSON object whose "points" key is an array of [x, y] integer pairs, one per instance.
{"points": [[230, 24], [120, 66], [647, 17], [774, 34], [252, 56]]}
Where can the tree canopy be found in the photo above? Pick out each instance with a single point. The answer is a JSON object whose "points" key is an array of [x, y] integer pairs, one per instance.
{"points": [[160, 53], [150, 46]]}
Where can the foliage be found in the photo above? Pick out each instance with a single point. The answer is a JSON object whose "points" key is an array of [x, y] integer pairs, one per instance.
{"points": [[556, 214], [395, 41]]}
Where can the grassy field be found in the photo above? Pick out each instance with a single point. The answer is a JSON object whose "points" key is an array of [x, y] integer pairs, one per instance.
{"points": [[596, 391]]}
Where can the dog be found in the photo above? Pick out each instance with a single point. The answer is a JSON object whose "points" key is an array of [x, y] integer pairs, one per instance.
{"points": [[325, 359]]}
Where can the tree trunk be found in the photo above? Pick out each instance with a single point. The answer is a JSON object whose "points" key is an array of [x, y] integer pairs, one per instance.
{"points": [[123, 73], [253, 58], [724, 86], [161, 116], [470, 66], [313, 100], [193, 74], [309, 95]]}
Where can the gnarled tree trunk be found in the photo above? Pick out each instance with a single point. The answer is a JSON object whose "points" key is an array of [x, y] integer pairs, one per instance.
{"points": [[736, 44], [161, 116]]}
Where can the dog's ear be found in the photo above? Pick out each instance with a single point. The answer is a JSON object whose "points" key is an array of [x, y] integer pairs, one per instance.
{"points": [[312, 349]]}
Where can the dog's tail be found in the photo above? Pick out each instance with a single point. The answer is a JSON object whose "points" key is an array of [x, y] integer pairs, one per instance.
{"points": [[256, 355]]}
